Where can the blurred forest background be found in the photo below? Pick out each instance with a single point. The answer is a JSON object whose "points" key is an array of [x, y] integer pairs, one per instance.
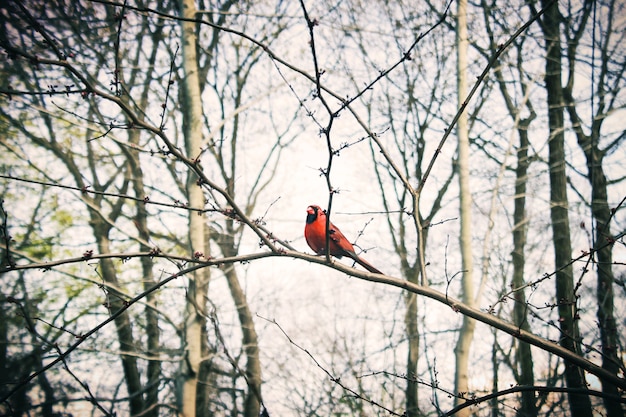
{"points": [[158, 158]]}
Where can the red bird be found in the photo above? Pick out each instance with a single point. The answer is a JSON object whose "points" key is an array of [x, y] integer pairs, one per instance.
{"points": [[315, 235]]}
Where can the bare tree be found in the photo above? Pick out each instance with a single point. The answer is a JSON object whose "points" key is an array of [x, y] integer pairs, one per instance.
{"points": [[466, 332], [107, 200], [603, 97], [194, 392], [566, 299], [85, 172], [523, 354], [153, 137]]}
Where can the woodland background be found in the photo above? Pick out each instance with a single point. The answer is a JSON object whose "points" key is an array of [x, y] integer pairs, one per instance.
{"points": [[158, 158]]}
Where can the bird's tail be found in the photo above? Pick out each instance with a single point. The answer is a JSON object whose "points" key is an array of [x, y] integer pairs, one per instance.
{"points": [[365, 264]]}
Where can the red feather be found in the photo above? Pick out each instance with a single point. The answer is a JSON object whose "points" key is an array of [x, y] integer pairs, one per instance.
{"points": [[315, 235]]}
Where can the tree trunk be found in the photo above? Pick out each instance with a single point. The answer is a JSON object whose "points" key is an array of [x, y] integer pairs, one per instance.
{"points": [[153, 332], [604, 264], [601, 214], [253, 399], [123, 325], [606, 278], [412, 333], [252, 402], [413, 274], [523, 354], [580, 404], [466, 333], [195, 310]]}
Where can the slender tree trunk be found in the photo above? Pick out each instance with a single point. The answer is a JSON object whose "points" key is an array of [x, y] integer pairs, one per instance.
{"points": [[606, 278], [153, 332], [252, 402], [580, 404], [523, 364], [494, 404], [123, 326], [604, 266], [410, 322], [193, 391], [523, 353], [601, 214], [466, 333], [413, 274]]}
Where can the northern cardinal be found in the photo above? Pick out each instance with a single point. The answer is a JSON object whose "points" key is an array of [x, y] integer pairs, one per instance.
{"points": [[315, 235]]}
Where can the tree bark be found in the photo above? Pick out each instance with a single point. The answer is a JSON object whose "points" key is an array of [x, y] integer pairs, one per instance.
{"points": [[604, 262], [195, 309], [606, 318], [580, 404], [153, 332], [252, 402], [466, 333], [250, 342], [412, 333], [413, 275], [523, 354], [123, 326], [600, 211]]}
